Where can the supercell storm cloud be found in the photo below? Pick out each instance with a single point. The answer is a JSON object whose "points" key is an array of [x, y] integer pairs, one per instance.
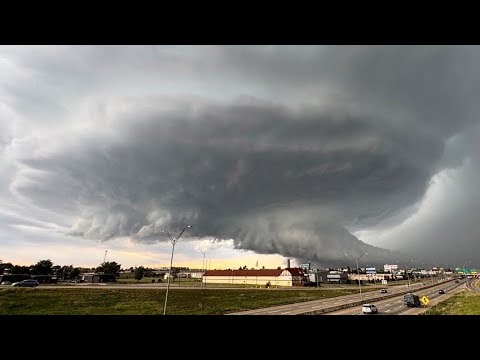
{"points": [[287, 149]]}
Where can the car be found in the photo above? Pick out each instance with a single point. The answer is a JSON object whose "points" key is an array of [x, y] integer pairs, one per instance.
{"points": [[383, 291], [6, 283], [369, 309], [26, 283], [441, 291]]}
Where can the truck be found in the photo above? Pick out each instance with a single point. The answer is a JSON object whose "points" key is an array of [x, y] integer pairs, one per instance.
{"points": [[411, 300]]}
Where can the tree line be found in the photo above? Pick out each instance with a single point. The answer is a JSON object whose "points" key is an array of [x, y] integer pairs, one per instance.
{"points": [[65, 272]]}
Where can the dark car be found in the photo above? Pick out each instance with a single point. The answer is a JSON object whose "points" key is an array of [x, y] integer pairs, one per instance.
{"points": [[26, 283], [441, 291], [383, 291]]}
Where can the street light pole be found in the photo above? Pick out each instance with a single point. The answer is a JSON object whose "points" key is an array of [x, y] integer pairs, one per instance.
{"points": [[203, 265], [359, 281], [173, 241], [406, 274]]}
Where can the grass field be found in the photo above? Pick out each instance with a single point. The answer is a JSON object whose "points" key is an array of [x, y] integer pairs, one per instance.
{"points": [[464, 303], [78, 301]]}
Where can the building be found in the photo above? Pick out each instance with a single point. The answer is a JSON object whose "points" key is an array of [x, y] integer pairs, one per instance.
{"points": [[97, 278], [45, 279], [273, 277], [327, 276]]}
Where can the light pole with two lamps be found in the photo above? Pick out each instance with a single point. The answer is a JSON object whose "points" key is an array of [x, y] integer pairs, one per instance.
{"points": [[358, 273], [174, 241]]}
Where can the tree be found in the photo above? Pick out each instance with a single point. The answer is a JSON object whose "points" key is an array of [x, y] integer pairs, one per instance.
{"points": [[4, 266], [139, 273], [66, 272], [110, 268], [17, 269], [57, 270], [43, 267], [75, 272]]}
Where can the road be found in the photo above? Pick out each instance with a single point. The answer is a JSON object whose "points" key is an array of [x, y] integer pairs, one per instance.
{"points": [[396, 306], [326, 305], [473, 285]]}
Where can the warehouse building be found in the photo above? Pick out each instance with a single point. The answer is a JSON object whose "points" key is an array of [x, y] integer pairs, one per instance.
{"points": [[265, 277]]}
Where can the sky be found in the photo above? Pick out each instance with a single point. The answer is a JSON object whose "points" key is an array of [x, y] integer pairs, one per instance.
{"points": [[308, 153]]}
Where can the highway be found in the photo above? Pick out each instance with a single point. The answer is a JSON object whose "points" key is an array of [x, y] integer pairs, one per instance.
{"points": [[326, 305], [473, 285], [396, 306]]}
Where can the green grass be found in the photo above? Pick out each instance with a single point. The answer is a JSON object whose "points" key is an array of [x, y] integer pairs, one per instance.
{"points": [[78, 301], [464, 303]]}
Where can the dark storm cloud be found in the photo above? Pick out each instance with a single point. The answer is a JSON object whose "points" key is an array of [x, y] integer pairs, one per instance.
{"points": [[218, 167], [324, 141]]}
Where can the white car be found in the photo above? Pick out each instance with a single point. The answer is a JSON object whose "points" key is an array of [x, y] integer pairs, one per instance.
{"points": [[369, 309], [6, 283]]}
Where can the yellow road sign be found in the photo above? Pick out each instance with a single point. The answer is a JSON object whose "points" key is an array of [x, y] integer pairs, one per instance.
{"points": [[424, 300]]}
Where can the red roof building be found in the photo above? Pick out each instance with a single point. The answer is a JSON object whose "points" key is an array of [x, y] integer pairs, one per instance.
{"points": [[265, 277]]}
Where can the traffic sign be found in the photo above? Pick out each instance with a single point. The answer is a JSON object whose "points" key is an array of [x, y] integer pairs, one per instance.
{"points": [[424, 300]]}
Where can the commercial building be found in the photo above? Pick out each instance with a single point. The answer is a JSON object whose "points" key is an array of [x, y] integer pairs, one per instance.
{"points": [[272, 277]]}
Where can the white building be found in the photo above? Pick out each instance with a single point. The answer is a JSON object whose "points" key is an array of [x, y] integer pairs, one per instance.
{"points": [[274, 277]]}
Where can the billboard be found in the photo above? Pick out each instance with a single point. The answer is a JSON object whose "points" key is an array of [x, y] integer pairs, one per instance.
{"points": [[305, 266], [371, 270], [387, 267], [333, 276]]}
